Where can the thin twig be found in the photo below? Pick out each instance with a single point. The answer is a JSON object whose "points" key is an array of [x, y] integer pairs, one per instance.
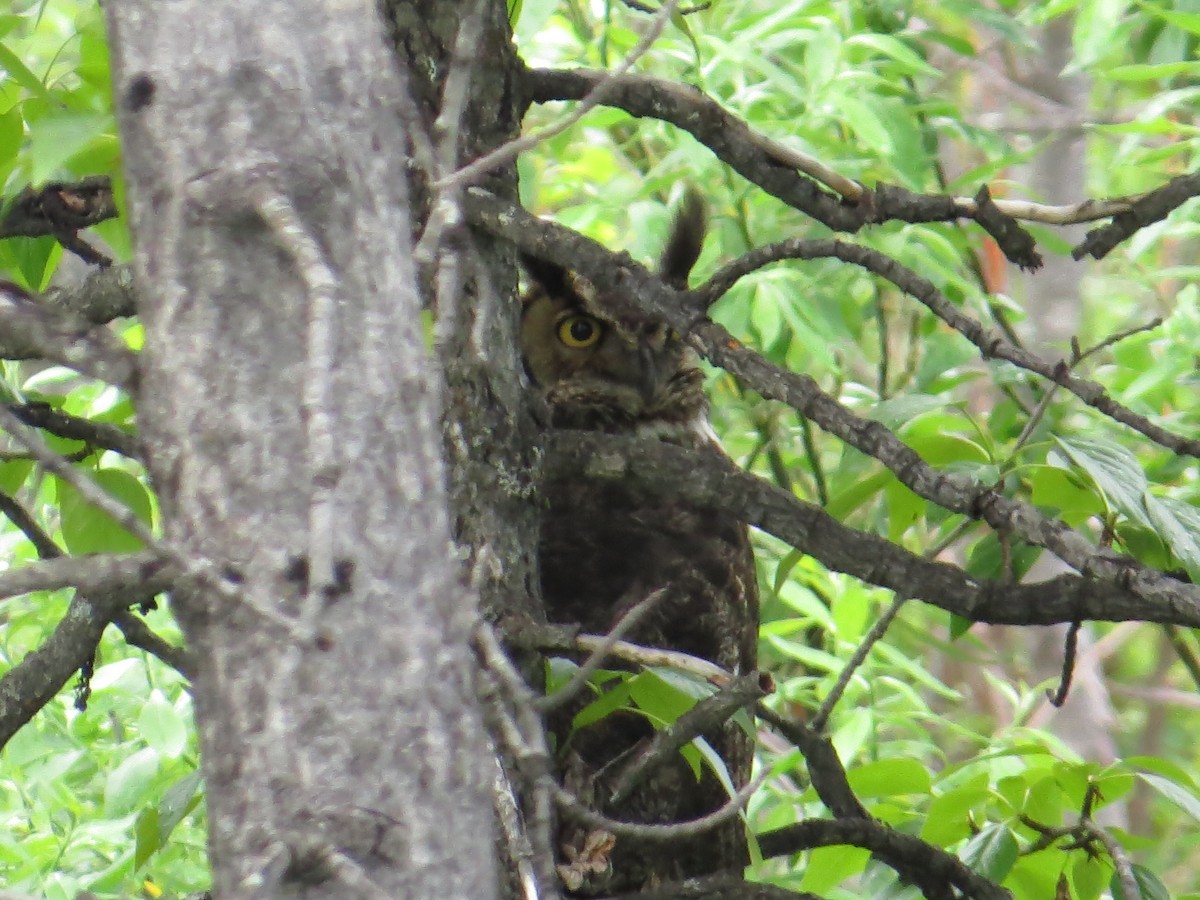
{"points": [[201, 571], [573, 808], [1184, 650], [508, 812], [989, 342], [141, 572], [1071, 644], [654, 656], [138, 634], [19, 516], [706, 715], [860, 655], [627, 623], [683, 10]]}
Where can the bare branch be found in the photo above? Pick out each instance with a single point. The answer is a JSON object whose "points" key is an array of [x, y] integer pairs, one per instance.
{"points": [[1147, 210], [706, 715], [1165, 596], [143, 573], [991, 344], [28, 526], [711, 481], [683, 10], [94, 434], [572, 808], [721, 886], [825, 767], [138, 634], [860, 656], [33, 330], [900, 851], [37, 678], [597, 657], [781, 170], [202, 571], [60, 209]]}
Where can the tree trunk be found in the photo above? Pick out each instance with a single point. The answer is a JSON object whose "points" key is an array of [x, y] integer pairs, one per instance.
{"points": [[291, 411]]}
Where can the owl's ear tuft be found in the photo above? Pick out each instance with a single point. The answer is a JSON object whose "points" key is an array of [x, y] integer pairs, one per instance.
{"points": [[552, 278], [686, 239]]}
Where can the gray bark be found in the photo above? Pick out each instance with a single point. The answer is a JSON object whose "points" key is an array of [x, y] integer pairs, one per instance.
{"points": [[340, 737]]}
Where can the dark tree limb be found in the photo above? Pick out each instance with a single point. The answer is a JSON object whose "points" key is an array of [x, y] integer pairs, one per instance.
{"points": [[142, 572], [731, 139], [37, 678], [1147, 210], [28, 526], [956, 492], [1014, 241], [774, 167], [721, 886], [709, 480], [61, 209], [991, 344], [138, 634], [65, 425], [35, 681], [900, 851], [33, 330], [825, 768]]}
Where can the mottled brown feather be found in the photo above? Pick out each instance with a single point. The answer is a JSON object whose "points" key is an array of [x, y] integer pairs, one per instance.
{"points": [[604, 548]]}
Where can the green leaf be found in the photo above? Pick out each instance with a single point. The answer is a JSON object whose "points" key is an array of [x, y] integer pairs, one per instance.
{"points": [[665, 694], [179, 800], [35, 259], [1147, 883], [949, 814], [679, 20], [896, 50], [530, 17], [1153, 71], [615, 697], [86, 529], [866, 123], [1178, 524], [1181, 796], [827, 867], [992, 853], [1060, 489], [161, 726], [889, 778], [12, 135], [1115, 471], [55, 139], [13, 474], [130, 783], [11, 63], [147, 839]]}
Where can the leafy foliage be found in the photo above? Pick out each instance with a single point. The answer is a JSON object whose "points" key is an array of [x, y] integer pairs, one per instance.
{"points": [[937, 728]]}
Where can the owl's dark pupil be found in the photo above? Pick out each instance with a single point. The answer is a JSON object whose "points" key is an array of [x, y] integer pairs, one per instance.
{"points": [[582, 330]]}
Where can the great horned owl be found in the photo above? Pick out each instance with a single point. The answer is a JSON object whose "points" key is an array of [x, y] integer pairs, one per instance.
{"points": [[601, 364]]}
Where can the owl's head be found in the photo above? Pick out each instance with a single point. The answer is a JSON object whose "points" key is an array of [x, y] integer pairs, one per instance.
{"points": [[600, 362]]}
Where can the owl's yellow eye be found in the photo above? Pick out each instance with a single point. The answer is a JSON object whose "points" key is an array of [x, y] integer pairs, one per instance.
{"points": [[579, 331]]}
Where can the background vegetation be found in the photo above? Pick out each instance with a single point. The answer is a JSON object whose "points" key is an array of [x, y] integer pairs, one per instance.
{"points": [[945, 730]]}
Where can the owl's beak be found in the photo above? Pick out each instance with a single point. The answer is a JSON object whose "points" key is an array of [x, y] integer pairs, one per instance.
{"points": [[651, 371]]}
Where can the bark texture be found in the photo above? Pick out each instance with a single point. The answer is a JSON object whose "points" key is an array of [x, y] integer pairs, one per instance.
{"points": [[293, 442], [489, 433]]}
